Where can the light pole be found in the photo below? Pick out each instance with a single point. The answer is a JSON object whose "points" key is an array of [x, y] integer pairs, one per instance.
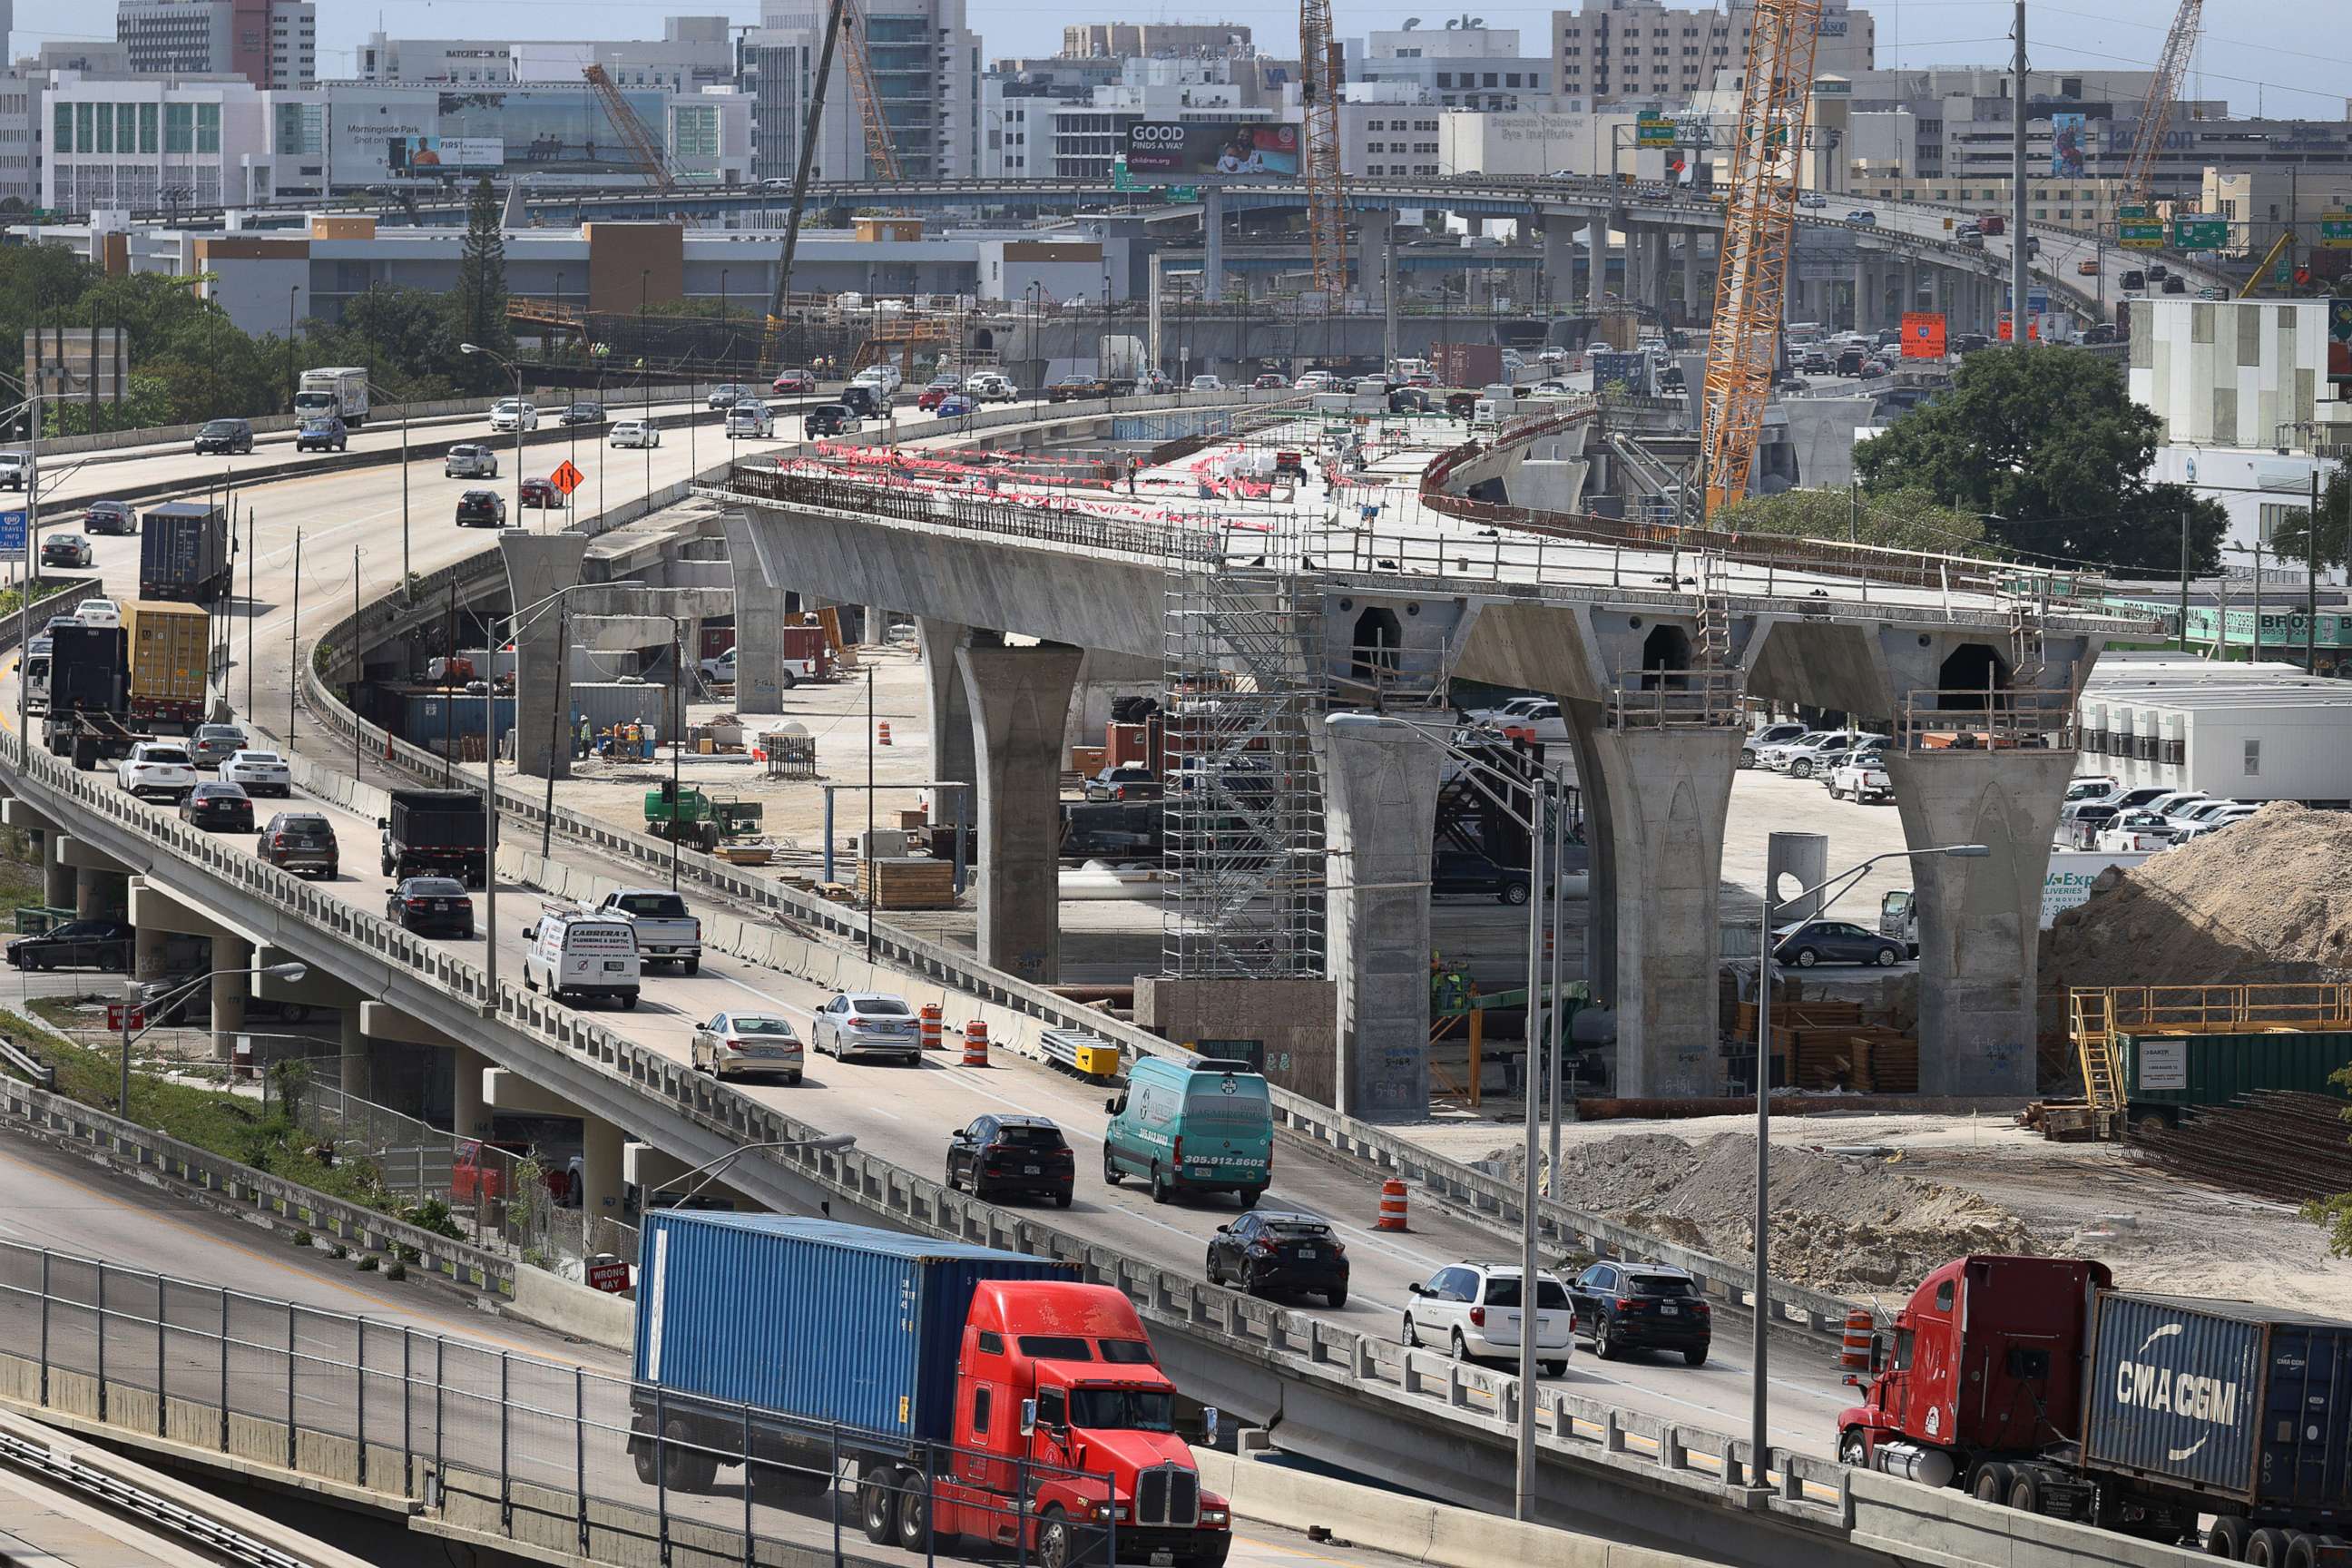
{"points": [[287, 972], [293, 294], [1760, 1448], [517, 371], [645, 376], [831, 1140], [375, 391]]}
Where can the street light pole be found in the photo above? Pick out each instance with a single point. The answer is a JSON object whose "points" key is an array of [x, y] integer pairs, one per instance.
{"points": [[516, 369], [831, 1140], [288, 972]]}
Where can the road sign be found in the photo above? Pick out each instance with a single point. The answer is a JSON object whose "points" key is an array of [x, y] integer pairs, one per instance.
{"points": [[1923, 335], [1184, 193], [2200, 232], [2336, 231], [1120, 180], [2141, 234], [114, 1019], [11, 530], [608, 1274], [567, 477], [1652, 129]]}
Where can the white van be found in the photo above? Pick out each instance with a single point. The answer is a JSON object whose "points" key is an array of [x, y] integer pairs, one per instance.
{"points": [[578, 957]]}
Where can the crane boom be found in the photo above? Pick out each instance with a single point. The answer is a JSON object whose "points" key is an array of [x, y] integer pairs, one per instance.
{"points": [[644, 149], [1752, 283], [2163, 92], [1321, 70], [809, 128], [881, 152]]}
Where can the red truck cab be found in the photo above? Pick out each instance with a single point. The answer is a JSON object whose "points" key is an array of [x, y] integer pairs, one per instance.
{"points": [[1063, 1376], [1984, 1363]]}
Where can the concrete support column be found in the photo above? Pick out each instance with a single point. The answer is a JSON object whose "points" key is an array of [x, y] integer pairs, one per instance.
{"points": [[760, 619], [947, 706], [1655, 801], [1213, 244], [540, 564], [1910, 285], [1698, 300], [1380, 815], [228, 993], [1862, 312], [1559, 262], [466, 1117], [1980, 920], [356, 1065], [1020, 696], [1596, 250], [98, 893], [599, 1168], [147, 952], [57, 877]]}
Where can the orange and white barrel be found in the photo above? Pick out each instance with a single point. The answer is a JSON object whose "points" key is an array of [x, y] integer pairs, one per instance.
{"points": [[975, 1043], [1393, 1208], [1854, 1353], [882, 733], [932, 1027]]}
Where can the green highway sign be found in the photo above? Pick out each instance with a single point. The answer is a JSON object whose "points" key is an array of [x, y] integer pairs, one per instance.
{"points": [[2128, 214], [1120, 178], [1653, 129], [2143, 235], [1184, 193], [2200, 233], [2336, 231]]}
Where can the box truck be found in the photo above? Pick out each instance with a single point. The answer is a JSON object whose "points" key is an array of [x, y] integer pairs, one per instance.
{"points": [[341, 390], [434, 833], [170, 656], [2032, 1382], [183, 552], [942, 1377]]}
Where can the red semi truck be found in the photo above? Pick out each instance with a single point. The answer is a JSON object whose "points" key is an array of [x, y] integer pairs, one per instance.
{"points": [[943, 1378], [2033, 1383]]}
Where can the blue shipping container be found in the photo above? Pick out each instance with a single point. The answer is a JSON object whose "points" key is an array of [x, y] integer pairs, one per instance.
{"points": [[812, 1317], [2234, 1400], [431, 715]]}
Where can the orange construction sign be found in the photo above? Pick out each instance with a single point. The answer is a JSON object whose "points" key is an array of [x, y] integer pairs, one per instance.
{"points": [[1923, 334], [567, 477]]}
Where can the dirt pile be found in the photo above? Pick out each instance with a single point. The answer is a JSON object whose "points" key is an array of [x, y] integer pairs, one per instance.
{"points": [[2264, 901], [1839, 1223]]}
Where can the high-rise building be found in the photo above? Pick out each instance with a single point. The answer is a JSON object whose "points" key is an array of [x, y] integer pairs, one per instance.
{"points": [[269, 43], [1150, 40], [926, 75], [1615, 49], [1458, 67], [693, 53]]}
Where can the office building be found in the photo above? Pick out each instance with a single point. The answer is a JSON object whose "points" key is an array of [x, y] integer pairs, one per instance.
{"points": [[1146, 40], [1610, 51], [269, 43], [1458, 67], [693, 53], [926, 73]]}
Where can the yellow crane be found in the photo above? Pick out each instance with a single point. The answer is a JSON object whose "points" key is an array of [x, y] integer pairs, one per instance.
{"points": [[644, 148], [1758, 219], [881, 152], [2163, 92], [1321, 70]]}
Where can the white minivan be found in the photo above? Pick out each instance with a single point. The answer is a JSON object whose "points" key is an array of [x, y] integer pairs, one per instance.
{"points": [[579, 957]]}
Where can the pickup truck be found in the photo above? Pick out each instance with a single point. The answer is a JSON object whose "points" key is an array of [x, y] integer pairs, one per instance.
{"points": [[1862, 777], [157, 769], [667, 932]]}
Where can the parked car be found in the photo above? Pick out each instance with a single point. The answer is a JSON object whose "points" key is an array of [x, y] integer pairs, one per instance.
{"points": [[1863, 777], [1536, 719], [67, 550], [300, 842], [720, 671], [728, 395], [2115, 795], [748, 1044], [228, 436], [323, 433], [829, 419], [1308, 381], [1810, 943], [868, 1022], [157, 770], [1623, 1307], [185, 996], [582, 413], [76, 944], [1003, 1155], [114, 517], [1768, 735], [481, 509], [217, 808], [1123, 783], [213, 744], [1270, 1251], [1473, 1310], [1801, 758], [636, 434], [431, 906], [2132, 831], [510, 414], [258, 773], [469, 462], [793, 381]]}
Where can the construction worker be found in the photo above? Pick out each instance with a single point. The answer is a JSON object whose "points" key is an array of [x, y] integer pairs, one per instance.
{"points": [[1132, 465]]}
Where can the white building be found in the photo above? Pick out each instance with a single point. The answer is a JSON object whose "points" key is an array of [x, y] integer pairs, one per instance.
{"points": [[269, 43], [1610, 51], [2255, 731], [148, 141], [1017, 131], [1458, 67], [1390, 129], [693, 53], [926, 70]]}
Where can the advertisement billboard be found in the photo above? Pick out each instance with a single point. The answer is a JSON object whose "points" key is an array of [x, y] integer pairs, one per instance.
{"points": [[1202, 149], [551, 130], [2069, 136], [1923, 335], [449, 154]]}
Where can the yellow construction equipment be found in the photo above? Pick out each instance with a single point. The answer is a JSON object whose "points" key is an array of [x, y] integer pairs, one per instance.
{"points": [[2163, 92], [1743, 346], [1321, 70], [2270, 259]]}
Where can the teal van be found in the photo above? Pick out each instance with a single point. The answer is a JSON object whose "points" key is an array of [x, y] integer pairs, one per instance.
{"points": [[1204, 1126]]}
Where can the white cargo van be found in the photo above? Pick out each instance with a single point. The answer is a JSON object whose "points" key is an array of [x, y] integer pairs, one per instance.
{"points": [[576, 956]]}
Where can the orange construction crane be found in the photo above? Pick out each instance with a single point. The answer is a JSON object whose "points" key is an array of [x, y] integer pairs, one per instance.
{"points": [[644, 148], [881, 154], [2163, 92], [1751, 284], [1321, 70]]}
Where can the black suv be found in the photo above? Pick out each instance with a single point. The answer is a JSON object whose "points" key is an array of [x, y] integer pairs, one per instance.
{"points": [[1624, 1307], [485, 508], [997, 1155], [76, 944], [1459, 871], [824, 420], [1268, 1251], [225, 435]]}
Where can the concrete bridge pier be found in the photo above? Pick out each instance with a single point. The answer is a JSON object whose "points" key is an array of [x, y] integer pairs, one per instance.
{"points": [[57, 877], [759, 620], [101, 884], [1596, 248], [1382, 781], [1698, 293], [1559, 262], [601, 1141], [1212, 243], [538, 565], [353, 1068], [1020, 697], [947, 704]]}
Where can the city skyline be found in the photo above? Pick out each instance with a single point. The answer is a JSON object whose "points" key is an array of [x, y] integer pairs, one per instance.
{"points": [[2237, 60]]}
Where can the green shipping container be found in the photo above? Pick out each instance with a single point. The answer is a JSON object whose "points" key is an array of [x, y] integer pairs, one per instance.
{"points": [[2213, 1069]]}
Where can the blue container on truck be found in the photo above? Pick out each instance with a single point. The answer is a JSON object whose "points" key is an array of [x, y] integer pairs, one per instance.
{"points": [[183, 552], [812, 1318], [2223, 1399], [428, 716]]}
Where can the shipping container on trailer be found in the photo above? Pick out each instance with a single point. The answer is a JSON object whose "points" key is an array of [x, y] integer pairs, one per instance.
{"points": [[170, 653], [183, 552]]}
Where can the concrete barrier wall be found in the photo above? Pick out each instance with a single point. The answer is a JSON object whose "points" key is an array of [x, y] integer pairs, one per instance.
{"points": [[554, 1302]]}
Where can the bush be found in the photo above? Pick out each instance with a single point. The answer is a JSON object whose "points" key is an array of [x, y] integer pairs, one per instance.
{"points": [[433, 1215], [395, 1269], [301, 1239], [369, 1263], [336, 1249]]}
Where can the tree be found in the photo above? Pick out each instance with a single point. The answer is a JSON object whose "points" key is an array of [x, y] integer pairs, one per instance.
{"points": [[1905, 519], [2334, 540], [478, 308], [2047, 443]]}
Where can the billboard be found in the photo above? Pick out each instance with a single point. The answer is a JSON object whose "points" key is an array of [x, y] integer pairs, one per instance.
{"points": [[445, 154], [2069, 134], [1202, 149], [1923, 335], [553, 129]]}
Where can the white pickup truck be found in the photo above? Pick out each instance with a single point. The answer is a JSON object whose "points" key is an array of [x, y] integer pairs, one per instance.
{"points": [[1864, 778], [666, 932]]}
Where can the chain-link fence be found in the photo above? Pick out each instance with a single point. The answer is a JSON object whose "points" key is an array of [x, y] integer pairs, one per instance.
{"points": [[493, 1444]]}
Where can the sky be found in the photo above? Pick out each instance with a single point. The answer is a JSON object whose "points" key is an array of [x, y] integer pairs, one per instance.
{"points": [[2261, 55]]}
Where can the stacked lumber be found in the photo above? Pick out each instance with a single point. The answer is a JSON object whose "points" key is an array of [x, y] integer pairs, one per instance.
{"points": [[1830, 1045], [906, 882]]}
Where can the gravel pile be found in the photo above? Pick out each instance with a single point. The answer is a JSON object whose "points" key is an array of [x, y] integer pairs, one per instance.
{"points": [[2264, 901], [1839, 1223]]}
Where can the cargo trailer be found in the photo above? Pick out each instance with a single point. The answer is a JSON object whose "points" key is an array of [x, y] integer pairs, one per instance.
{"points": [[184, 554], [435, 832], [169, 653]]}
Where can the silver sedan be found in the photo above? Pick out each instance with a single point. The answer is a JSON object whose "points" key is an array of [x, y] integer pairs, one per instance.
{"points": [[748, 1044]]}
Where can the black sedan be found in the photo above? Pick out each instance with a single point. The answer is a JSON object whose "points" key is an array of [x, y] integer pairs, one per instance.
{"points": [[432, 906], [1624, 1307], [1270, 1250], [485, 509], [110, 517], [218, 809], [1836, 942], [76, 944], [999, 1155], [582, 413]]}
